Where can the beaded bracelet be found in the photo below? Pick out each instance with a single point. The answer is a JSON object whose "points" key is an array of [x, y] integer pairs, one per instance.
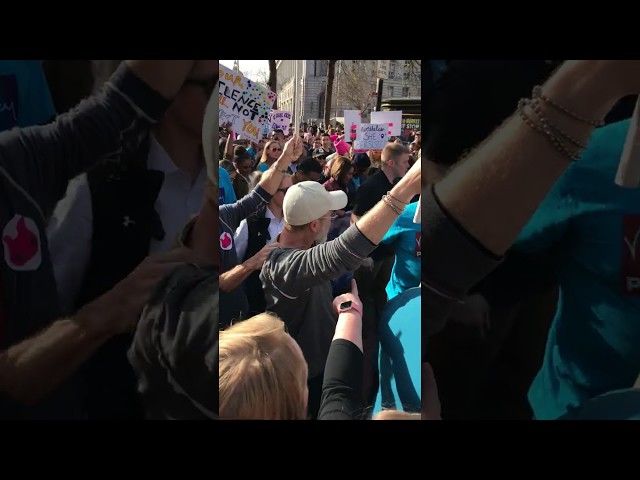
{"points": [[396, 199], [537, 94], [573, 156], [386, 199], [535, 107]]}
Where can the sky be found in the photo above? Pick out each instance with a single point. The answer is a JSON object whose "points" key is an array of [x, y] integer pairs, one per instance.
{"points": [[248, 67]]}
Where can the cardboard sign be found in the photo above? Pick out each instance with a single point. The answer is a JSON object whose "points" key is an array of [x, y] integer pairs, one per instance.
{"points": [[244, 103], [371, 137], [280, 120], [352, 121], [383, 69], [392, 119]]}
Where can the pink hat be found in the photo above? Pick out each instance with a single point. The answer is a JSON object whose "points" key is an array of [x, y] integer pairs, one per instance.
{"points": [[342, 147]]}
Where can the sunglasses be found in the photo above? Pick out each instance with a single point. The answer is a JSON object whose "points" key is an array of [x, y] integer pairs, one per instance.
{"points": [[332, 216], [275, 149], [284, 190], [207, 84]]}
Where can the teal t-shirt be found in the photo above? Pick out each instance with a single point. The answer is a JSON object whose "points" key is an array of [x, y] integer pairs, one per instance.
{"points": [[263, 167], [25, 99], [592, 227], [405, 235]]}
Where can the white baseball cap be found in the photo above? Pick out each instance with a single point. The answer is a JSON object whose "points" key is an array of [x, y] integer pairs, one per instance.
{"points": [[308, 201]]}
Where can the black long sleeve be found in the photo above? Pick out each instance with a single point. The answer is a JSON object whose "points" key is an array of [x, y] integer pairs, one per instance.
{"points": [[342, 386]]}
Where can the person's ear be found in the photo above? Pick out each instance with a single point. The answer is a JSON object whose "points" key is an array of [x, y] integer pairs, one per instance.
{"points": [[315, 226]]}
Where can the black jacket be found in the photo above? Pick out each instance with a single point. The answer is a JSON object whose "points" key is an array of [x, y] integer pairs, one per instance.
{"points": [[36, 165]]}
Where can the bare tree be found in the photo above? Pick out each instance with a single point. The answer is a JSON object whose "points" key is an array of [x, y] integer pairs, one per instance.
{"points": [[415, 70], [273, 81], [261, 76], [329, 91], [357, 85]]}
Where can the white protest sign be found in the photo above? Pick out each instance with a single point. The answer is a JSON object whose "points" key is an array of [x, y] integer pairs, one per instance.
{"points": [[280, 120], [352, 121], [244, 103], [383, 69], [392, 119], [371, 137]]}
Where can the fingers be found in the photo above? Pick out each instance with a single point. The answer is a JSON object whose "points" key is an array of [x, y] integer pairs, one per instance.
{"points": [[354, 287]]}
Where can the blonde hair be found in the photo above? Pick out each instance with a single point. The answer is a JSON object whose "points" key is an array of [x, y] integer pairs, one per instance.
{"points": [[264, 157], [262, 374], [393, 151], [397, 415]]}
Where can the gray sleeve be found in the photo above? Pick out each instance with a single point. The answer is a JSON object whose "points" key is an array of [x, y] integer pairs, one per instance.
{"points": [[452, 262], [304, 269], [232, 214], [42, 159]]}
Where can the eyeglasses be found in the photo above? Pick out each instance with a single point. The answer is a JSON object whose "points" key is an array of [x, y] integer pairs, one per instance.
{"points": [[207, 84]]}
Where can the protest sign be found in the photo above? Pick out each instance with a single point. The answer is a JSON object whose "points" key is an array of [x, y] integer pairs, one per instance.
{"points": [[244, 103], [371, 137], [392, 119], [383, 69], [409, 125], [352, 121], [280, 120]]}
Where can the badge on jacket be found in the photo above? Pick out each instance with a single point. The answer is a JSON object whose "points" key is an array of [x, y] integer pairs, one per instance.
{"points": [[21, 241], [226, 241]]}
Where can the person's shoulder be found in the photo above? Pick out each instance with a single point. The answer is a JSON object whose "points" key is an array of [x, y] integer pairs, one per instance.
{"points": [[224, 174], [372, 182]]}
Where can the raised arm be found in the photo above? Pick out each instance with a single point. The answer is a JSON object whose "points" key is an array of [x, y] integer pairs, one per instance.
{"points": [[271, 179], [472, 217], [494, 192], [342, 383], [42, 159], [306, 268]]}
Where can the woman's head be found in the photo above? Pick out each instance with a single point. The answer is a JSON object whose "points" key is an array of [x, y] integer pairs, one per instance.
{"points": [[272, 151], [243, 165], [263, 374], [342, 170], [228, 166]]}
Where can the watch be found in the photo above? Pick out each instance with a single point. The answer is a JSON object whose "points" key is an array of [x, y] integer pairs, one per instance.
{"points": [[348, 306]]}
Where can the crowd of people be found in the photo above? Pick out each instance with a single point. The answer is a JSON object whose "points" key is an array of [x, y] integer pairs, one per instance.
{"points": [[305, 220], [134, 278]]}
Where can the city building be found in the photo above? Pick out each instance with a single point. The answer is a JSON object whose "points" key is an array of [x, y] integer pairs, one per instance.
{"points": [[354, 86]]}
